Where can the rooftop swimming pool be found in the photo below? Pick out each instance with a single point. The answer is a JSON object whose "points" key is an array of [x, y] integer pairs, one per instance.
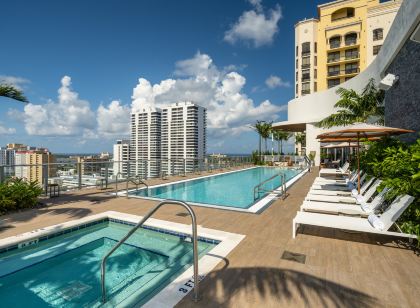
{"points": [[63, 268], [231, 190]]}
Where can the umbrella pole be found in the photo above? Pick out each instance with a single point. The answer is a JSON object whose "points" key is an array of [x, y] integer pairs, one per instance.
{"points": [[358, 165]]}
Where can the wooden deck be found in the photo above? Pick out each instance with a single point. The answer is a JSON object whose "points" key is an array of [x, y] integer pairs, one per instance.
{"points": [[341, 269]]}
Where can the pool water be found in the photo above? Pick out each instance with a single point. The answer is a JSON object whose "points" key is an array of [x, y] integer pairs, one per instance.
{"points": [[234, 189], [65, 271]]}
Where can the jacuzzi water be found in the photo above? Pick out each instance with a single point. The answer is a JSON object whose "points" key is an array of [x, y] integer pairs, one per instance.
{"points": [[64, 271]]}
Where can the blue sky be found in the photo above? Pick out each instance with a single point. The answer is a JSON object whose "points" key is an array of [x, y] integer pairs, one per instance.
{"points": [[79, 63]]}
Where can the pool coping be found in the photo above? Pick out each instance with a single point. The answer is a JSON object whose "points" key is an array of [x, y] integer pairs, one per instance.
{"points": [[255, 208], [177, 289]]}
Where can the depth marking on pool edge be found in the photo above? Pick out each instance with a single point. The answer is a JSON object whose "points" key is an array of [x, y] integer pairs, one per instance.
{"points": [[187, 287]]}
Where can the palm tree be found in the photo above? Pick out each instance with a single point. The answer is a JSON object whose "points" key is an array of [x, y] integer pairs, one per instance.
{"points": [[12, 92], [266, 132], [300, 138], [356, 107], [283, 136], [259, 128]]}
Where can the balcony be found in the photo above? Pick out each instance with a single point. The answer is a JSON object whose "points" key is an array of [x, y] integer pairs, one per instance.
{"points": [[305, 92], [348, 71], [346, 58], [306, 77], [304, 66], [350, 42], [306, 53]]}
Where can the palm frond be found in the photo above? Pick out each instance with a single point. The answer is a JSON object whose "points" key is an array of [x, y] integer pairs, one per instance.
{"points": [[10, 91]]}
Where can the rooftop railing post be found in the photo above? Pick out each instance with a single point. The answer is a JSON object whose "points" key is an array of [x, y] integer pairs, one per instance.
{"points": [[79, 175], [2, 175], [44, 168]]}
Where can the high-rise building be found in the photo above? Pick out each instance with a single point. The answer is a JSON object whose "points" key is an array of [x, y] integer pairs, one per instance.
{"points": [[121, 158], [34, 165], [93, 164], [145, 142], [183, 137], [340, 43], [7, 159]]}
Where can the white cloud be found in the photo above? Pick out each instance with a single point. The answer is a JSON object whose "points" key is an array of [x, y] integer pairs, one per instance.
{"points": [[276, 82], [68, 116], [257, 4], [229, 110], [17, 82], [113, 120], [6, 131], [255, 26]]}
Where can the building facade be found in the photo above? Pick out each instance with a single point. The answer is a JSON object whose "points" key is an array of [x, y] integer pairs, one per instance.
{"points": [[146, 142], [183, 137], [34, 165], [121, 158], [398, 56], [340, 43]]}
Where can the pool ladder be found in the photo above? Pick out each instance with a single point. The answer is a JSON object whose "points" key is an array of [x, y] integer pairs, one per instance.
{"points": [[136, 180], [196, 296], [259, 188]]}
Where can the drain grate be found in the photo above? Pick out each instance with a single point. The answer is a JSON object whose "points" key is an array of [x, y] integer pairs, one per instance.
{"points": [[293, 256], [182, 214]]}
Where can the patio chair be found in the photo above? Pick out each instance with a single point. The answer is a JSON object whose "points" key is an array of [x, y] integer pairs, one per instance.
{"points": [[340, 190], [346, 209], [364, 196], [340, 182], [384, 222], [332, 171]]}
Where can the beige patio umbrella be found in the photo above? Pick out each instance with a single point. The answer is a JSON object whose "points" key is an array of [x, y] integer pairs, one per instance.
{"points": [[359, 131]]}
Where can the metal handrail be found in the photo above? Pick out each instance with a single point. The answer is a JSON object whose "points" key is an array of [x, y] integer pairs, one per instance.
{"points": [[136, 180], [116, 183], [196, 296], [258, 189]]}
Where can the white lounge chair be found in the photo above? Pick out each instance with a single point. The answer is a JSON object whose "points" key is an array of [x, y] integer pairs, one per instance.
{"points": [[339, 191], [339, 182], [388, 218], [363, 210], [364, 196], [332, 171]]}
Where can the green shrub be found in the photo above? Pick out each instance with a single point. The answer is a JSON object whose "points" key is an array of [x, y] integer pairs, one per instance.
{"points": [[397, 164], [17, 194]]}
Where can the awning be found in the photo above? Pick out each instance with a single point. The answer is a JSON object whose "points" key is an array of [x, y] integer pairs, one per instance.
{"points": [[290, 126]]}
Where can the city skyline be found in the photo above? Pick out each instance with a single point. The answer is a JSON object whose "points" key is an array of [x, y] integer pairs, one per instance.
{"points": [[211, 62]]}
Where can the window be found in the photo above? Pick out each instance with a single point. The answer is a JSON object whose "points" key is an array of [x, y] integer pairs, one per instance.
{"points": [[306, 62], [306, 88], [333, 82], [348, 78], [352, 54], [306, 49], [296, 76], [315, 87], [376, 49], [333, 56], [352, 68], [346, 12], [315, 73], [350, 39], [297, 88], [378, 34], [306, 75], [334, 70], [335, 41], [315, 61], [297, 50], [297, 63], [315, 47]]}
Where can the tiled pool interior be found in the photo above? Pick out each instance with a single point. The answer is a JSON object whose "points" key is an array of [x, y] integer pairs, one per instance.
{"points": [[233, 189]]}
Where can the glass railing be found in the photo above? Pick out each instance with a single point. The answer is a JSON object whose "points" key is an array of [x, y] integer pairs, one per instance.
{"points": [[68, 174], [343, 72]]}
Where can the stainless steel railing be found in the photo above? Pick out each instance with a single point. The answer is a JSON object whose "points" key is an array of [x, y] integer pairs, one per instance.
{"points": [[259, 188], [196, 295], [136, 180]]}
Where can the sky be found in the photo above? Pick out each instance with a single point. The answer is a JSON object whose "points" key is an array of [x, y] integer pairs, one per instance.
{"points": [[85, 65]]}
